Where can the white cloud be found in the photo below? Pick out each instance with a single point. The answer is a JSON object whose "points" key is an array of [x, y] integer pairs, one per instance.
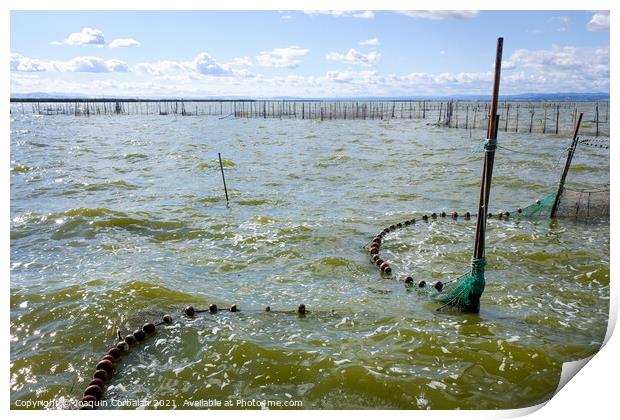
{"points": [[359, 14], [124, 42], [202, 64], [440, 14], [243, 74], [558, 69], [367, 14], [92, 65], [160, 67], [599, 22], [87, 36], [355, 57], [286, 17], [371, 41], [241, 61], [25, 64], [281, 57], [87, 64], [360, 77], [206, 65], [563, 62]]}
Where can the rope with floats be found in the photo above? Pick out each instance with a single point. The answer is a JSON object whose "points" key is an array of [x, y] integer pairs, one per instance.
{"points": [[105, 368], [597, 143], [376, 242]]}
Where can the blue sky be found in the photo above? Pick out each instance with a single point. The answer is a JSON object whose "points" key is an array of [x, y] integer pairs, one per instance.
{"points": [[312, 53]]}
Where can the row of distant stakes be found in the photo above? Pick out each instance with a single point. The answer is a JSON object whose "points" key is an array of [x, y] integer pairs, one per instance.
{"points": [[518, 117], [462, 293]]}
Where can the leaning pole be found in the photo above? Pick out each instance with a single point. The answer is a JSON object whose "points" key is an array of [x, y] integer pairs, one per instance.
{"points": [[569, 159]]}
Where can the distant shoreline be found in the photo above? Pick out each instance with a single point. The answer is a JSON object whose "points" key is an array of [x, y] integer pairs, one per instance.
{"points": [[512, 98]]}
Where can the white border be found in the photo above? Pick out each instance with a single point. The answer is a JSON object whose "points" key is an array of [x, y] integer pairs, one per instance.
{"points": [[592, 394]]}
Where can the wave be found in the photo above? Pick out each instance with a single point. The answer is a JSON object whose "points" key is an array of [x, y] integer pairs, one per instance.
{"points": [[21, 168], [111, 185], [135, 157], [88, 222]]}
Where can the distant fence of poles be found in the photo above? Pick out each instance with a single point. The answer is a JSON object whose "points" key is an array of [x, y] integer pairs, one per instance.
{"points": [[515, 116]]}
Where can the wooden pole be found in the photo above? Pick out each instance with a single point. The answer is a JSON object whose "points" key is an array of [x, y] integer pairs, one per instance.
{"points": [[223, 178], [597, 132], [489, 156], [517, 124], [569, 159]]}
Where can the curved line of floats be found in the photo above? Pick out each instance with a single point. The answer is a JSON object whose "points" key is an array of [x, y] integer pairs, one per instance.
{"points": [[377, 240], [106, 365], [601, 144]]}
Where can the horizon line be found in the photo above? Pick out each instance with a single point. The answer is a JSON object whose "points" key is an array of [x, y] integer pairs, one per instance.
{"points": [[60, 97]]}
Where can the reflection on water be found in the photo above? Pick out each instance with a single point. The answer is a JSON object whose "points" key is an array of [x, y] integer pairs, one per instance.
{"points": [[115, 220]]}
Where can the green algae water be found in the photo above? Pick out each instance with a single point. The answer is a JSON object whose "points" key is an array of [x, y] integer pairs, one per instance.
{"points": [[116, 220]]}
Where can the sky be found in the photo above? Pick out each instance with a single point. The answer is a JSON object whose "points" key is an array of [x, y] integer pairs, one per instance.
{"points": [[306, 53]]}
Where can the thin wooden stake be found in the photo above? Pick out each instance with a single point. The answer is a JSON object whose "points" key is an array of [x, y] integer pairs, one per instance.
{"points": [[223, 178], [597, 132]]}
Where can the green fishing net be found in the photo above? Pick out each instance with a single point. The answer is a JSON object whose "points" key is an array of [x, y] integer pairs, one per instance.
{"points": [[463, 294], [578, 204], [540, 208]]}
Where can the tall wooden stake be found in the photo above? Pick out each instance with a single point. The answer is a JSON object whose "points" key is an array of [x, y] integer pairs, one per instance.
{"points": [[489, 156], [223, 178], [569, 159]]}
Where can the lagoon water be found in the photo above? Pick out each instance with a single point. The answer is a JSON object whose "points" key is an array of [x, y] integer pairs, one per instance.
{"points": [[116, 220]]}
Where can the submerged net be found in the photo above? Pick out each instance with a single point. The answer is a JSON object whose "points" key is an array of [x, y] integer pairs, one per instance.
{"points": [[464, 293], [578, 204], [584, 204], [540, 208]]}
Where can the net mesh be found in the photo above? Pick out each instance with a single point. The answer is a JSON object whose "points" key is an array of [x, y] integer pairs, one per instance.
{"points": [[540, 208], [578, 204], [584, 204], [464, 293]]}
